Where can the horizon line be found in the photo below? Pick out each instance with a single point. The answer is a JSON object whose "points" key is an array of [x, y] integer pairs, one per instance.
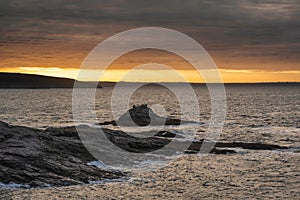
{"points": [[267, 82]]}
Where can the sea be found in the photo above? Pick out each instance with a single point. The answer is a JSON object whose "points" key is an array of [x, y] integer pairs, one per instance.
{"points": [[269, 106], [257, 113], [261, 113], [254, 112]]}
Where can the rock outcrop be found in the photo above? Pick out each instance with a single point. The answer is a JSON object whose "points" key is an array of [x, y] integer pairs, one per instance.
{"points": [[56, 156], [142, 115], [36, 158]]}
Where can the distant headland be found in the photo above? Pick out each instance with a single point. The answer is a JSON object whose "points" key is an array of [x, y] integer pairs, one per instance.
{"points": [[33, 81]]}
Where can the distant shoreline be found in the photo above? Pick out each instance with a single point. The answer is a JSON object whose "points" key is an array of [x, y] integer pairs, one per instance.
{"points": [[33, 81]]}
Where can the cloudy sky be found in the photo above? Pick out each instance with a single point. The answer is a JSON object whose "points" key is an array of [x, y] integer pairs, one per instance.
{"points": [[250, 40]]}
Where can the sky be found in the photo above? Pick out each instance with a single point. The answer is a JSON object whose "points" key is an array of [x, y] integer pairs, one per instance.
{"points": [[249, 40]]}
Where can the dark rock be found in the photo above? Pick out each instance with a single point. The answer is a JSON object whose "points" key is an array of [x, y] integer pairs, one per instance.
{"points": [[214, 151], [113, 122], [167, 134], [191, 151], [142, 115], [196, 145], [222, 151], [55, 156], [137, 115], [172, 121], [250, 145], [136, 144]]}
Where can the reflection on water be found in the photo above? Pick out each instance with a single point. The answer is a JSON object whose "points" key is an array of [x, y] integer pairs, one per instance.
{"points": [[255, 113]]}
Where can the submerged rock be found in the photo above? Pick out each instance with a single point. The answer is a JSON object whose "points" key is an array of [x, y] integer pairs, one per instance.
{"points": [[213, 150], [196, 146]]}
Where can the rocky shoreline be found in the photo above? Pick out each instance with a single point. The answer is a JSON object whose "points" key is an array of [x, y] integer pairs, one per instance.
{"points": [[43, 157], [57, 157]]}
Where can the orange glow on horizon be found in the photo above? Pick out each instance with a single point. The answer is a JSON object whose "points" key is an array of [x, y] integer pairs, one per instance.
{"points": [[144, 75], [154, 73]]}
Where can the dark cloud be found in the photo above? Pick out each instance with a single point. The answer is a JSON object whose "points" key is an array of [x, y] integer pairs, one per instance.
{"points": [[263, 30]]}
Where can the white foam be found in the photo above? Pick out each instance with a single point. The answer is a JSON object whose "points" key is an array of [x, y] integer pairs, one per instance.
{"points": [[13, 185], [99, 164]]}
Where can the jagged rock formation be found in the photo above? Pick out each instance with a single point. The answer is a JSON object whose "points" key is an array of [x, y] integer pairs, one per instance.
{"points": [[37, 157], [142, 115]]}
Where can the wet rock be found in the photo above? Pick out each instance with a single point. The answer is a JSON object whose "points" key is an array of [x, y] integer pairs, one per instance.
{"points": [[222, 151], [213, 151], [162, 138], [136, 144], [196, 145], [191, 151], [250, 145], [113, 122], [55, 156], [142, 115], [167, 134]]}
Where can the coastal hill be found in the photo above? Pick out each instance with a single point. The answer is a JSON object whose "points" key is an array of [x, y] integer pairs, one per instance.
{"points": [[31, 81]]}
